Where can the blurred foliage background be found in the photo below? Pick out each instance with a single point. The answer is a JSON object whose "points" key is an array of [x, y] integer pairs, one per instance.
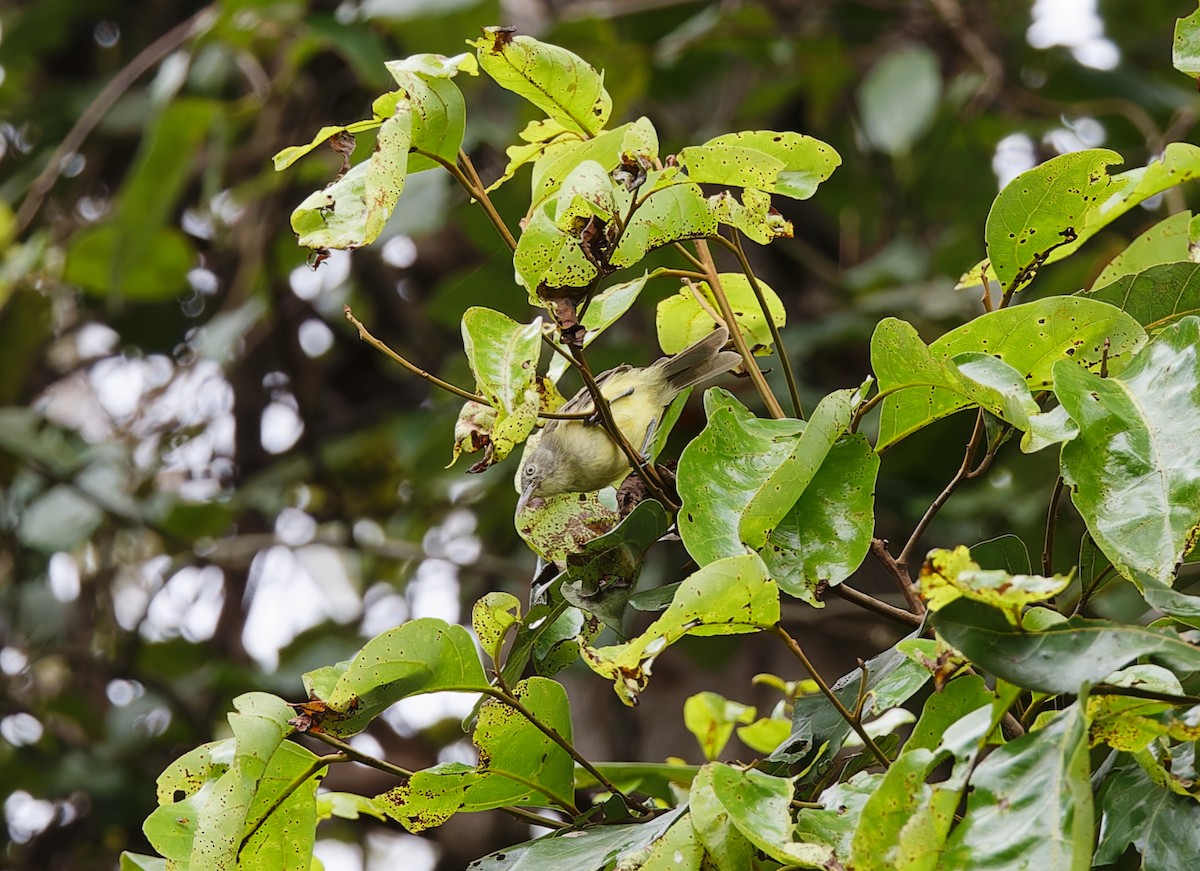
{"points": [[208, 484]]}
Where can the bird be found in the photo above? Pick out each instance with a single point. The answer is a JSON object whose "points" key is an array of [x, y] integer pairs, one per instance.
{"points": [[579, 456]]}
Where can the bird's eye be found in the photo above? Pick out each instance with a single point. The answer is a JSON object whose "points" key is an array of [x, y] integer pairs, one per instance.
{"points": [[528, 471]]}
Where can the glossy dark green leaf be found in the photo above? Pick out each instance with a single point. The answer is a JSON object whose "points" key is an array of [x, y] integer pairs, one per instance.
{"points": [[720, 471], [518, 764], [1157, 296], [560, 83], [1063, 658], [1030, 804], [1162, 826], [892, 678], [1007, 552], [1043, 209], [594, 849], [422, 656], [1134, 468]]}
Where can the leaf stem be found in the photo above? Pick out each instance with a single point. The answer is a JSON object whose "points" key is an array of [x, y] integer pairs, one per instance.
{"points": [[961, 475], [471, 181], [1051, 524], [876, 606], [854, 722], [517, 705], [690, 258], [735, 330], [375, 343], [740, 253], [313, 769]]}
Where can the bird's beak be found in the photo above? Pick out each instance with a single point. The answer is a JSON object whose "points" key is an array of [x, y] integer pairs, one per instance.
{"points": [[526, 495]]}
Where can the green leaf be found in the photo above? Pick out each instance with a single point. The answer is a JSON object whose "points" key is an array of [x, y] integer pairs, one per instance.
{"points": [[1134, 468], [1029, 338], [560, 83], [733, 165], [899, 97], [555, 165], [1043, 209], [1185, 50], [347, 806], [834, 824], [284, 842], [491, 618], [926, 383], [948, 575], [586, 193], [504, 355], [753, 215], [1128, 723], [140, 862], [678, 850], [892, 678], [540, 138], [1166, 242], [473, 430], [603, 311], [591, 849], [943, 709], [759, 806], [711, 718], [102, 260], [546, 255], [1006, 552], [601, 576], [438, 111], [1030, 804], [806, 161], [725, 844], [422, 656], [286, 157], [1157, 296], [519, 765], [667, 215], [351, 211], [1063, 658], [727, 597], [565, 522], [1162, 826], [765, 734], [721, 469], [684, 319], [656, 779]]}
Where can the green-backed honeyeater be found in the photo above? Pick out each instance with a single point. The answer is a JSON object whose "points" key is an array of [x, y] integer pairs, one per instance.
{"points": [[578, 456]]}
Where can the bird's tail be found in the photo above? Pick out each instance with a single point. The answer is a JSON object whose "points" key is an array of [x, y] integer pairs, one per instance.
{"points": [[700, 361]]}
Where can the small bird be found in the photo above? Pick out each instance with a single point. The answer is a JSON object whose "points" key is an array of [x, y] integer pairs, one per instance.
{"points": [[578, 456]]}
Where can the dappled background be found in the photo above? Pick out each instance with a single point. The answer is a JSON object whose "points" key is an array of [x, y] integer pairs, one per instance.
{"points": [[209, 485]]}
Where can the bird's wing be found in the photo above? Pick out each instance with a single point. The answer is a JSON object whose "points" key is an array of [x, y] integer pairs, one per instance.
{"points": [[581, 402]]}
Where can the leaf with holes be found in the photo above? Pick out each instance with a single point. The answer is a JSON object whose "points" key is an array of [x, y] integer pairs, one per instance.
{"points": [[667, 215], [689, 316], [806, 161], [1043, 209], [950, 574], [519, 764], [1134, 468], [504, 354], [1167, 241], [560, 83], [728, 597]]}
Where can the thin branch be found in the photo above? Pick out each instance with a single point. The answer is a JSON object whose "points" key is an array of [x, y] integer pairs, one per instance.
{"points": [[690, 258], [476, 188], [681, 273], [740, 253], [1086, 594], [735, 331], [375, 343], [876, 606], [961, 475], [1104, 689], [299, 780], [879, 550], [854, 722], [146, 59], [517, 705], [1051, 524]]}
